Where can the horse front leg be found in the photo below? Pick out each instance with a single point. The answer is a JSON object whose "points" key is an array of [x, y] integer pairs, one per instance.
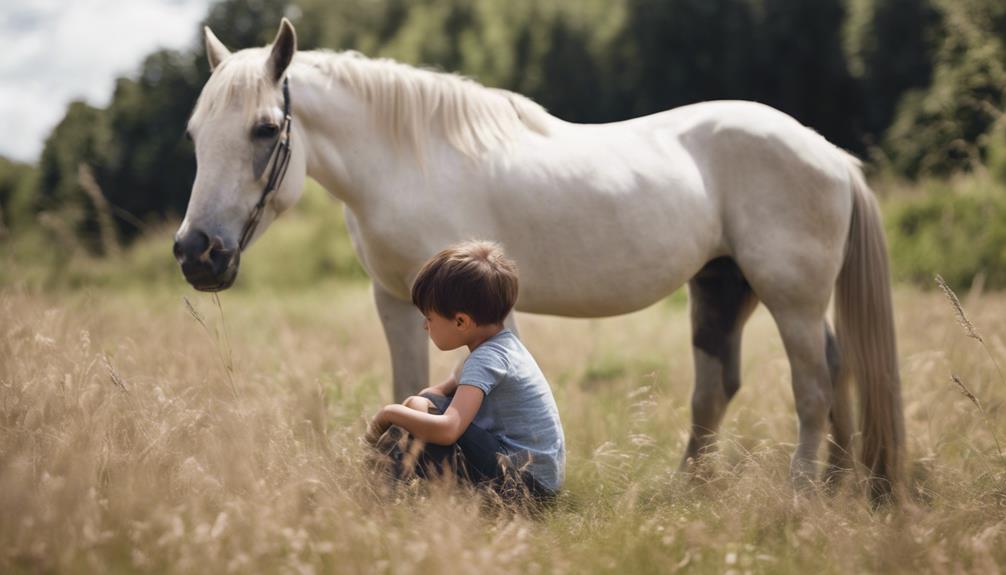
{"points": [[407, 341]]}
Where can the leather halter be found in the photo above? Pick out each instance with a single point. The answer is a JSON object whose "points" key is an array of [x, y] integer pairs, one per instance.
{"points": [[280, 158]]}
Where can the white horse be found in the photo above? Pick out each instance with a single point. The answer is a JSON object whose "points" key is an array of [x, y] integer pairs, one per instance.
{"points": [[737, 199]]}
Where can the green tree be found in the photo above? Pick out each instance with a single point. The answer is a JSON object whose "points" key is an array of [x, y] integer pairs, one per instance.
{"points": [[80, 138], [950, 126], [244, 23], [148, 166], [676, 52], [17, 186], [784, 53], [800, 67], [892, 44]]}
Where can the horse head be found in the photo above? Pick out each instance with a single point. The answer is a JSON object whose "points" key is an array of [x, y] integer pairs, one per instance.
{"points": [[249, 166]]}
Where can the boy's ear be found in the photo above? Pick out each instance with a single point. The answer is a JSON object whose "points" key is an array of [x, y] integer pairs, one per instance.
{"points": [[463, 321]]}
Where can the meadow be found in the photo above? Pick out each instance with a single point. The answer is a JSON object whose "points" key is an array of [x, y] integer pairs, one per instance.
{"points": [[146, 427]]}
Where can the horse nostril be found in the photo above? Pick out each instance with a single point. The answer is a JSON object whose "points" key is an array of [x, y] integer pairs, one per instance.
{"points": [[220, 260], [191, 246], [213, 250]]}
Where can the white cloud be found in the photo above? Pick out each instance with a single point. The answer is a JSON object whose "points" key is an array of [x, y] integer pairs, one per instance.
{"points": [[56, 51]]}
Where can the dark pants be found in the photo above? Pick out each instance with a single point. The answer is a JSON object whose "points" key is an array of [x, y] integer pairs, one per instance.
{"points": [[478, 457]]}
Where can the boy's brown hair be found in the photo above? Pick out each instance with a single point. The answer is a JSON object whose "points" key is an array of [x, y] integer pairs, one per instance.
{"points": [[473, 278]]}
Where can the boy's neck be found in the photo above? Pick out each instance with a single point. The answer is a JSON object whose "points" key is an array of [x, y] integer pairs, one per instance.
{"points": [[481, 333]]}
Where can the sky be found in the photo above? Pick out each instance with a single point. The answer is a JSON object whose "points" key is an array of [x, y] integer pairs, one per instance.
{"points": [[57, 51]]}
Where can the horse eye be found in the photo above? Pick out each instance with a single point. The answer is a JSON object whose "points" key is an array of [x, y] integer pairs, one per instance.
{"points": [[263, 131]]}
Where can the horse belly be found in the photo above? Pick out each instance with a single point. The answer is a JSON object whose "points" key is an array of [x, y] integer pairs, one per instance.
{"points": [[601, 288], [620, 233], [608, 264]]}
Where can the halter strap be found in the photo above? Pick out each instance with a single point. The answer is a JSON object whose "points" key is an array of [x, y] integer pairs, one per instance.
{"points": [[280, 158]]}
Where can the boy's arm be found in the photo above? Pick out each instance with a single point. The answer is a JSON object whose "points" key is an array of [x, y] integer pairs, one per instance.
{"points": [[440, 429]]}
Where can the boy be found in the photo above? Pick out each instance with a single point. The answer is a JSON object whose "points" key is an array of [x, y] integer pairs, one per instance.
{"points": [[497, 410]]}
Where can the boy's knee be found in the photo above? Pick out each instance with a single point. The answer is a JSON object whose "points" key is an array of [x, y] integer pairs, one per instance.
{"points": [[418, 403]]}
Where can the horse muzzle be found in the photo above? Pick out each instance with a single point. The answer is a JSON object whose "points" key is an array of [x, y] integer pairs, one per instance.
{"points": [[206, 263]]}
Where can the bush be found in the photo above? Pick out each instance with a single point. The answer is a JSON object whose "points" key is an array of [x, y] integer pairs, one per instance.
{"points": [[956, 229]]}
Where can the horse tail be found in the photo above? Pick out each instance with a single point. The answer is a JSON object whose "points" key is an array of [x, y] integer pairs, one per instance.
{"points": [[864, 324]]}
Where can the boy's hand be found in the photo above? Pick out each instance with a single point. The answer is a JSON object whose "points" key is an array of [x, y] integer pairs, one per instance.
{"points": [[378, 425]]}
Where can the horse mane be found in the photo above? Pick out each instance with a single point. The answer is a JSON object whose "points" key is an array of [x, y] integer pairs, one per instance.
{"points": [[406, 101]]}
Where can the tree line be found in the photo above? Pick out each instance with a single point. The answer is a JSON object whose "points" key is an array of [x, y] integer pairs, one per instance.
{"points": [[916, 86]]}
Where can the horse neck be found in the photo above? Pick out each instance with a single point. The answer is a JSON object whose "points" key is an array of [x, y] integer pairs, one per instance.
{"points": [[326, 119], [359, 161], [346, 153]]}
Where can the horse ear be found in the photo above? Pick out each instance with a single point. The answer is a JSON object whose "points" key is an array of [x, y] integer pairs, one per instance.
{"points": [[283, 49], [216, 52]]}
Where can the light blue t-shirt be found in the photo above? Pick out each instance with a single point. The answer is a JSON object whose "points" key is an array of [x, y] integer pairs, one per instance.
{"points": [[518, 406]]}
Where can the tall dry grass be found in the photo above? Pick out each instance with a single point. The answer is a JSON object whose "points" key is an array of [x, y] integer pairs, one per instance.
{"points": [[135, 438]]}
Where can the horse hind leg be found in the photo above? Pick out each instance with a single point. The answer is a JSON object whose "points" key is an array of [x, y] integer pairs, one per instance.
{"points": [[721, 302], [840, 460], [804, 335]]}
